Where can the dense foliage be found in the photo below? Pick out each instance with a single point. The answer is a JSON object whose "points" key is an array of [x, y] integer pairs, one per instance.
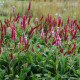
{"points": [[36, 49]]}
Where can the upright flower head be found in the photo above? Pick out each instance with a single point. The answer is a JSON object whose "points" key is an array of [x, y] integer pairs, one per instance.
{"points": [[59, 20], [74, 46], [24, 38], [68, 20], [13, 33], [58, 30], [29, 7], [42, 33], [13, 9], [58, 41], [54, 22]]}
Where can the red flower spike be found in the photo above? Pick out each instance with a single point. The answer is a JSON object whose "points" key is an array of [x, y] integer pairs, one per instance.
{"points": [[45, 39], [65, 53], [68, 20], [74, 34], [11, 56], [59, 20], [53, 42], [41, 18], [17, 17], [31, 30], [62, 24], [2, 36], [29, 7], [74, 46], [4, 29], [78, 27], [37, 26], [61, 50], [38, 45], [54, 22], [29, 20]]}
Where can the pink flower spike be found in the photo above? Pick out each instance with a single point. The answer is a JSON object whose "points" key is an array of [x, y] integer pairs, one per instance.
{"points": [[25, 40], [58, 41], [13, 9], [36, 20], [42, 33], [52, 32], [68, 36], [58, 30]]}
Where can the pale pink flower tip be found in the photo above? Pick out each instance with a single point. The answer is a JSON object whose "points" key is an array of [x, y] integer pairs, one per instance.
{"points": [[13, 9], [42, 33]]}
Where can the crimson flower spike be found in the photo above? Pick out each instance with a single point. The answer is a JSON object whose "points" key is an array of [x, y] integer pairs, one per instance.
{"points": [[2, 36], [61, 50], [37, 26], [23, 23], [4, 29], [38, 45], [26, 16], [68, 19], [46, 39], [78, 27], [74, 46], [41, 18], [29, 20], [20, 39], [31, 30], [29, 7], [53, 42], [62, 24], [17, 17], [74, 34], [11, 56], [51, 33], [54, 22], [13, 33], [75, 22], [59, 20]]}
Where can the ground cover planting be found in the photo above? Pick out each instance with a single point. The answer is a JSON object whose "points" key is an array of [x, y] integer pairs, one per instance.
{"points": [[34, 48]]}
